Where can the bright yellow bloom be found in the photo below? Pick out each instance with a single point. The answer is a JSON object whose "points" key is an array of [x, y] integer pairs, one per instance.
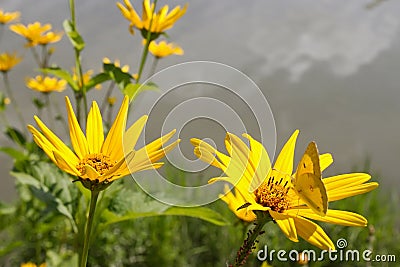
{"points": [[30, 264], [8, 61], [164, 49], [46, 84], [262, 188], [161, 21], [6, 17], [99, 161], [36, 34]]}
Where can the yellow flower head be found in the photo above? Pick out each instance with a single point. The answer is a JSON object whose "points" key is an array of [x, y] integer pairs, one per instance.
{"points": [[8, 61], [30, 264], [164, 49], [111, 100], [258, 187], [4, 101], [86, 78], [7, 17], [46, 84], [36, 34], [160, 21], [98, 161]]}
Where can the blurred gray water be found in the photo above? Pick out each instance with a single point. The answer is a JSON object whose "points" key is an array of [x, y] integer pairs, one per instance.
{"points": [[328, 68]]}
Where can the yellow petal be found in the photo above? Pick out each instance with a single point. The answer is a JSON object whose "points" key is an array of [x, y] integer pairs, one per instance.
{"points": [[340, 217], [260, 161], [313, 233], [54, 140], [325, 160], [112, 146], [144, 158], [351, 191], [120, 168], [94, 129], [132, 134], [345, 180], [287, 225], [91, 173], [284, 162], [65, 165], [78, 139]]}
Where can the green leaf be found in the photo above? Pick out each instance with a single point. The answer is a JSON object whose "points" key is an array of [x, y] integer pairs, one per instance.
{"points": [[15, 135], [39, 104], [133, 90], [121, 79], [97, 79], [8, 248], [74, 37], [202, 213], [26, 179], [148, 207], [14, 153], [62, 74]]}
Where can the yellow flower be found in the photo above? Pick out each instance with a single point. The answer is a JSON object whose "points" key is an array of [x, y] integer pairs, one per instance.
{"points": [[99, 161], [261, 188], [30, 264], [6, 17], [46, 84], [36, 34], [161, 21], [164, 49], [111, 100], [8, 61], [86, 78]]}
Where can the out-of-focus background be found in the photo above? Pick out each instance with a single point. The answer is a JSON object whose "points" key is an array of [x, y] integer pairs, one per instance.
{"points": [[328, 68]]}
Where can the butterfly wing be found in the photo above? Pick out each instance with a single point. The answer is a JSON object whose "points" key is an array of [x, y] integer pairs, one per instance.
{"points": [[308, 181]]}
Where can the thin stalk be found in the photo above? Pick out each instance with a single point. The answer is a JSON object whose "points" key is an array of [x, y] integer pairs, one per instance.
{"points": [[93, 201], [14, 101], [58, 114], [154, 66], [78, 67], [252, 235], [146, 47], [108, 94], [36, 56]]}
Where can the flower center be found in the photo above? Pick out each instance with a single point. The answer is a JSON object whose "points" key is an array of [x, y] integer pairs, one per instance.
{"points": [[273, 194], [101, 163]]}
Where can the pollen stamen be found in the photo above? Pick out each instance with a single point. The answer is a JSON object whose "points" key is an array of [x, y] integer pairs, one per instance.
{"points": [[273, 194], [101, 163]]}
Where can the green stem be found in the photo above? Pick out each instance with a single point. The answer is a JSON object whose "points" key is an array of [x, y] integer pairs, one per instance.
{"points": [[248, 244], [154, 66], [36, 56], [14, 101], [108, 94], [78, 67], [93, 201], [146, 47]]}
